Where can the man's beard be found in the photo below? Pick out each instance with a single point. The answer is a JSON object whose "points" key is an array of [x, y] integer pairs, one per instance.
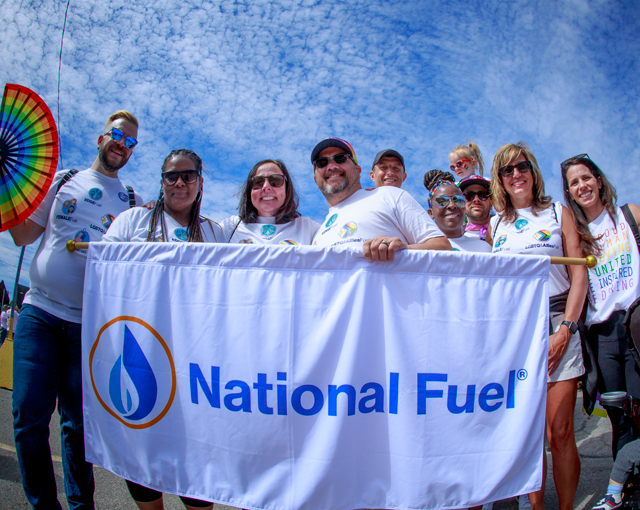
{"points": [[107, 166], [327, 189]]}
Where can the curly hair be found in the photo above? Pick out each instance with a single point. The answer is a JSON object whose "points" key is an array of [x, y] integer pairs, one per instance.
{"points": [[501, 200], [194, 230], [432, 177], [289, 210]]}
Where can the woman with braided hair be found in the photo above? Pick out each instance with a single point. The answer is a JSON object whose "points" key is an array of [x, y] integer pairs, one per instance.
{"points": [[176, 214]]}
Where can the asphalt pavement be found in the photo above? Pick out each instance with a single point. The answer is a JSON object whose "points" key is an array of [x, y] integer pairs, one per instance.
{"points": [[593, 437]]}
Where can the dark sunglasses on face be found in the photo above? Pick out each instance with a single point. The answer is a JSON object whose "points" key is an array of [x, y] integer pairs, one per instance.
{"points": [[482, 195], [339, 159], [523, 167], [187, 176], [442, 201], [275, 181], [116, 135]]}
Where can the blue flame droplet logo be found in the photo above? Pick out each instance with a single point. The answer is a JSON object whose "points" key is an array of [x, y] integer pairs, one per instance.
{"points": [[142, 379]]}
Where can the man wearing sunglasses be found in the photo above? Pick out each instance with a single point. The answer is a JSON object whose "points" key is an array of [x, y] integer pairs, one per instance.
{"points": [[383, 221], [388, 169], [47, 362], [477, 192]]}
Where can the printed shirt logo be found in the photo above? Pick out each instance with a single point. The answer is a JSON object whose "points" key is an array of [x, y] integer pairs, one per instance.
{"points": [[82, 236], [123, 196], [95, 193], [520, 224], [125, 376], [500, 241], [246, 241], [331, 220], [289, 241], [181, 234], [348, 229], [542, 235], [107, 220], [69, 206], [267, 230]]}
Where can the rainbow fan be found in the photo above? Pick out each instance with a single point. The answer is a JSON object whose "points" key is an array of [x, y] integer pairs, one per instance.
{"points": [[28, 153]]}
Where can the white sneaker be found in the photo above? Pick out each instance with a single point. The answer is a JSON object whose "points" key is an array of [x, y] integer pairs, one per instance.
{"points": [[523, 502]]}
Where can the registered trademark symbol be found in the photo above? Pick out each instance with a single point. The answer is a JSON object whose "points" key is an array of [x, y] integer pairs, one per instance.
{"points": [[522, 374]]}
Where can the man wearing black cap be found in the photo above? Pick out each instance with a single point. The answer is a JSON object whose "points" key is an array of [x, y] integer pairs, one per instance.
{"points": [[388, 169], [477, 191], [384, 220]]}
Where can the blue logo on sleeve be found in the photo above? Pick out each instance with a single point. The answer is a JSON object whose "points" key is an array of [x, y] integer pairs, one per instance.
{"points": [[123, 196], [331, 220], [95, 193]]}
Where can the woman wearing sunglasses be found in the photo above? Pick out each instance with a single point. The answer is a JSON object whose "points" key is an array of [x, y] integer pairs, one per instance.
{"points": [[447, 208], [176, 214], [466, 160], [175, 218], [529, 224], [268, 209], [607, 233]]}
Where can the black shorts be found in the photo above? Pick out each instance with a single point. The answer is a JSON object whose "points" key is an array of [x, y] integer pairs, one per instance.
{"points": [[146, 495]]}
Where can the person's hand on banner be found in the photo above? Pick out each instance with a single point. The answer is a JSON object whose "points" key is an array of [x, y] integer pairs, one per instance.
{"points": [[382, 248], [558, 343]]}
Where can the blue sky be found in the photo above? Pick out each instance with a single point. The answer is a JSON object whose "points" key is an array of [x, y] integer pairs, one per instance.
{"points": [[242, 81]]}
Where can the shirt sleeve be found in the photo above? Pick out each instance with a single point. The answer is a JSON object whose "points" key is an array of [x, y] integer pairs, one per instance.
{"points": [[415, 222]]}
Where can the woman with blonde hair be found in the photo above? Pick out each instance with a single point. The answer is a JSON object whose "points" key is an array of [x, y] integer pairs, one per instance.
{"points": [[466, 160], [530, 224]]}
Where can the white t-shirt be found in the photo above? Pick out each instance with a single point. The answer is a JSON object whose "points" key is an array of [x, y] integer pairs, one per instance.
{"points": [[613, 282], [83, 210], [4, 320], [299, 231], [469, 243], [535, 235], [384, 211], [133, 226]]}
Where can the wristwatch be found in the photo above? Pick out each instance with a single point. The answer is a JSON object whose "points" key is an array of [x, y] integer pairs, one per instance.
{"points": [[573, 327]]}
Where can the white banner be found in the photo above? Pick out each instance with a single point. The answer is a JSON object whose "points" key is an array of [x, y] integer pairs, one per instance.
{"points": [[287, 378]]}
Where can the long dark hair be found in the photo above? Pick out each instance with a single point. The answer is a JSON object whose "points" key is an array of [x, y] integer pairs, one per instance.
{"points": [[608, 196], [289, 210], [194, 231], [501, 200]]}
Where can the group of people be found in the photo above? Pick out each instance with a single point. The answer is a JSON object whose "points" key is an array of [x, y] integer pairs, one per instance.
{"points": [[508, 213]]}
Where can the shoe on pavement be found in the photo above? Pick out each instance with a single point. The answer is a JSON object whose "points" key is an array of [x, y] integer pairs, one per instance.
{"points": [[523, 502], [609, 502]]}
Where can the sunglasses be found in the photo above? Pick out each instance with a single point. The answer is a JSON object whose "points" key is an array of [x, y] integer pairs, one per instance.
{"points": [[459, 163], [339, 159], [482, 195], [579, 156], [523, 167], [442, 201], [275, 181], [116, 135], [187, 176]]}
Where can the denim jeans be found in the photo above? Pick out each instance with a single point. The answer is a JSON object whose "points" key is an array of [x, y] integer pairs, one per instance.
{"points": [[46, 367]]}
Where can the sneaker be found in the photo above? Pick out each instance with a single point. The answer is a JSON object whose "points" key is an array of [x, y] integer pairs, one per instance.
{"points": [[523, 502], [609, 502]]}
